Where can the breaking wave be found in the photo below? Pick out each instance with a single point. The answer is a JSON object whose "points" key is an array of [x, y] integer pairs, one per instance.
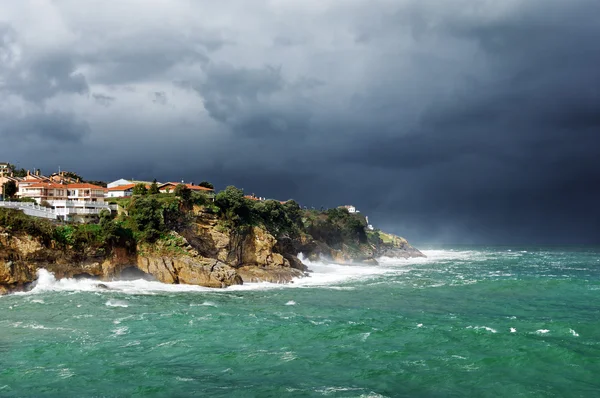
{"points": [[322, 274]]}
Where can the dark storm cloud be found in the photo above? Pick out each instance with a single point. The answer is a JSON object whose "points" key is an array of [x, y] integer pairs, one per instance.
{"points": [[56, 127], [459, 122], [40, 78]]}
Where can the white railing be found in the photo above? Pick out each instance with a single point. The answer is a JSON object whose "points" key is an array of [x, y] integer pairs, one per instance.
{"points": [[31, 209], [76, 211], [35, 210], [74, 203]]}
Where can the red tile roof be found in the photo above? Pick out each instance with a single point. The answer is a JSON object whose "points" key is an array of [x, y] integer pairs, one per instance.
{"points": [[122, 187], [83, 186], [46, 185]]}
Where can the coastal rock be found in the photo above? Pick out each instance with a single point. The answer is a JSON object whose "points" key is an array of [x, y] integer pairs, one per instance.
{"points": [[190, 270], [269, 274], [206, 272]]}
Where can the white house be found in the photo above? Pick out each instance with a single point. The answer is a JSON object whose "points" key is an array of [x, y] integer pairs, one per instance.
{"points": [[351, 209], [42, 191], [120, 191]]}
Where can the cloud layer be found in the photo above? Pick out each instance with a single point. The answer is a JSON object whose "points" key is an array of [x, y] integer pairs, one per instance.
{"points": [[464, 121]]}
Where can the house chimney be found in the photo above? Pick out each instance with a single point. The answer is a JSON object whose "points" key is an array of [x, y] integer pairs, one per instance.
{"points": [[28, 173], [37, 172]]}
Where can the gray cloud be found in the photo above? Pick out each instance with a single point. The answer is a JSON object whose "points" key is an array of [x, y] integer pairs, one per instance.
{"points": [[463, 122], [102, 99]]}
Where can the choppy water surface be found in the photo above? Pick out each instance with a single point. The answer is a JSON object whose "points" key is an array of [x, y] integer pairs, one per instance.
{"points": [[479, 322]]}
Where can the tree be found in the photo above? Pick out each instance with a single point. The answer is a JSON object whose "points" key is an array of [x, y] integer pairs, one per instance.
{"points": [[10, 189], [183, 192], [153, 188], [206, 184], [233, 207], [140, 189], [147, 213]]}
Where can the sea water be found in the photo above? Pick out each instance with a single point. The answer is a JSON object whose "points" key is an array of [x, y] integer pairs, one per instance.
{"points": [[480, 322]]}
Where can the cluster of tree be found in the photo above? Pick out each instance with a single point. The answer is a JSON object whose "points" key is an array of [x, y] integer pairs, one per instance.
{"points": [[334, 226], [188, 197], [238, 212]]}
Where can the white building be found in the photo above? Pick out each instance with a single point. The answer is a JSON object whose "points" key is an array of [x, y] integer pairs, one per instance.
{"points": [[120, 191], [42, 191], [351, 209], [85, 193]]}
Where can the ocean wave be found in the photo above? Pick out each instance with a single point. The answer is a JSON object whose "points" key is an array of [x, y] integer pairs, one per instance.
{"points": [[323, 274], [117, 303]]}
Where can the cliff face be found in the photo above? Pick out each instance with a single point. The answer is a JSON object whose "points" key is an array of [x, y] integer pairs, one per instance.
{"points": [[209, 257], [203, 254], [348, 253]]}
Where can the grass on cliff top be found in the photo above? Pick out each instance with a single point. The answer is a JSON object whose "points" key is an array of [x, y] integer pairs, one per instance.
{"points": [[386, 238]]}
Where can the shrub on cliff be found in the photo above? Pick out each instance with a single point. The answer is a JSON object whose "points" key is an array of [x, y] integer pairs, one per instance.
{"points": [[15, 221], [235, 210], [146, 215], [279, 220], [183, 192], [336, 227]]}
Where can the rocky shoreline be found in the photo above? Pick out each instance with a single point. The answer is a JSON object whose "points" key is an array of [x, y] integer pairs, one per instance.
{"points": [[203, 254]]}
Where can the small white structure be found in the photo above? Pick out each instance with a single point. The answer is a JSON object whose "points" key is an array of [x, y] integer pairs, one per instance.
{"points": [[369, 226], [351, 209]]}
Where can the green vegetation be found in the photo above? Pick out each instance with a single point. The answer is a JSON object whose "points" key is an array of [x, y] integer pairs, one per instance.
{"points": [[140, 189], [206, 184], [103, 236], [10, 189], [147, 218], [153, 188], [334, 226]]}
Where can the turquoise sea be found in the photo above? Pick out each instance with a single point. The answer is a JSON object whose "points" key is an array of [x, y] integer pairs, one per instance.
{"points": [[465, 322]]}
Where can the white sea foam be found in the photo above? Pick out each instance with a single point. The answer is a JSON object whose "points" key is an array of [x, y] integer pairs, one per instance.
{"points": [[489, 329], [120, 331], [117, 303], [513, 330], [574, 333], [323, 274], [542, 331], [204, 304], [291, 302]]}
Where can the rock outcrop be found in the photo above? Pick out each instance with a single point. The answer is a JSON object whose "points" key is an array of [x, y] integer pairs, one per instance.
{"points": [[21, 257], [204, 254]]}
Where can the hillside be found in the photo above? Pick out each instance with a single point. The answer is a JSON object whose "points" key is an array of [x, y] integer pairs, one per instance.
{"points": [[186, 238]]}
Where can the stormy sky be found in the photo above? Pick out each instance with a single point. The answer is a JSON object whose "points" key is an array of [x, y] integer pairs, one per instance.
{"points": [[449, 121]]}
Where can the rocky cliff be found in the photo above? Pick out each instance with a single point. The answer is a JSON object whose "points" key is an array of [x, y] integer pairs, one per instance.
{"points": [[204, 253], [212, 257]]}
